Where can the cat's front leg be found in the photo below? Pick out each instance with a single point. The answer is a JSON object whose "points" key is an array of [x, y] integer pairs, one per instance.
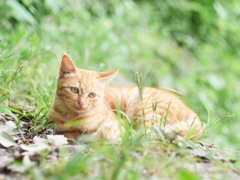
{"points": [[65, 129], [109, 131]]}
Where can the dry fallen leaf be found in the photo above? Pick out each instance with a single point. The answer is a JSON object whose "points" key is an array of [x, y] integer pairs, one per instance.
{"points": [[16, 168], [27, 162], [38, 140], [9, 127], [6, 139], [35, 148], [57, 140], [5, 161]]}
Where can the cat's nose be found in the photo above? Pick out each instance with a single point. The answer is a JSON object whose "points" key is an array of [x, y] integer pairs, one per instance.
{"points": [[81, 104]]}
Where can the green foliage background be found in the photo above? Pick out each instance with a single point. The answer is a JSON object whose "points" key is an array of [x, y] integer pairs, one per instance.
{"points": [[188, 45]]}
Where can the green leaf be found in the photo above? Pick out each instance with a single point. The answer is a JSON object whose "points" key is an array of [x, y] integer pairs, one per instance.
{"points": [[20, 13], [5, 97], [8, 112], [185, 174], [13, 110]]}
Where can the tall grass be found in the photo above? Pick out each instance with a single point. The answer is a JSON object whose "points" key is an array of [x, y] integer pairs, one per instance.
{"points": [[189, 46]]}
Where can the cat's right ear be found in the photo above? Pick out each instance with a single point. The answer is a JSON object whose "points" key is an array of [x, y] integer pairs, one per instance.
{"points": [[106, 77], [67, 67]]}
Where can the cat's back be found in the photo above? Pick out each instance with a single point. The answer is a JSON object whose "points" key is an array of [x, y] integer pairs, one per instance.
{"points": [[146, 104], [120, 96], [132, 101], [133, 92], [131, 96]]}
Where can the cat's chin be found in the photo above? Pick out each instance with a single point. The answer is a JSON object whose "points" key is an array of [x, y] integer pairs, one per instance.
{"points": [[78, 109]]}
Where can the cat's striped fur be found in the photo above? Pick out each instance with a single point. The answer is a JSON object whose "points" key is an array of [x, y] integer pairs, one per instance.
{"points": [[83, 105]]}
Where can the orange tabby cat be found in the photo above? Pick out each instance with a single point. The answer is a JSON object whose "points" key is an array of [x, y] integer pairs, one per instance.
{"points": [[82, 104]]}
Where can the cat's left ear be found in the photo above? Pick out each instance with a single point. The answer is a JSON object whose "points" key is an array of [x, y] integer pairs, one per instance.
{"points": [[106, 77], [67, 66]]}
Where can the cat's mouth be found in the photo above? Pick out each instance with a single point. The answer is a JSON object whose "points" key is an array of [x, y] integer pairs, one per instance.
{"points": [[79, 108]]}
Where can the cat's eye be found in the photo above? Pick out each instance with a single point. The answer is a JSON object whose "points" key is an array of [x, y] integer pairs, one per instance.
{"points": [[74, 90], [92, 95]]}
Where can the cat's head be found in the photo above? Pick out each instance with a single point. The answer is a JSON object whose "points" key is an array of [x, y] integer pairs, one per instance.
{"points": [[80, 89]]}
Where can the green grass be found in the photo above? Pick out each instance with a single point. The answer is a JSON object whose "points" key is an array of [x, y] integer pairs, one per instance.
{"points": [[187, 45]]}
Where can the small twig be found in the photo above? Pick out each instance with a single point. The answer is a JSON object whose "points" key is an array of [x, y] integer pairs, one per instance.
{"points": [[22, 137]]}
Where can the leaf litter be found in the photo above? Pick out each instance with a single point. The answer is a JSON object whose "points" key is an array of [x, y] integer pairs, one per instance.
{"points": [[20, 150], [15, 148]]}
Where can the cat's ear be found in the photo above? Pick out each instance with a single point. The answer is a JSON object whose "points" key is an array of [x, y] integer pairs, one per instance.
{"points": [[106, 77], [67, 66]]}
